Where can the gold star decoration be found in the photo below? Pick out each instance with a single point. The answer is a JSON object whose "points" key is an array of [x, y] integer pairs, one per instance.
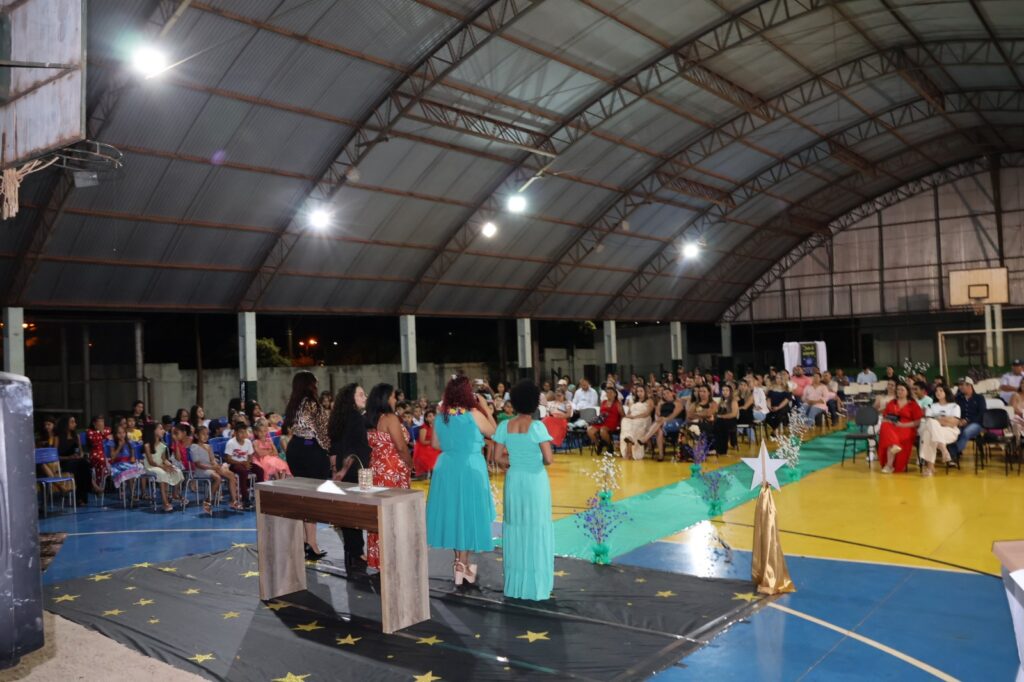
{"points": [[250, 574], [534, 636], [201, 658], [113, 612], [499, 559], [168, 569], [191, 591], [665, 594], [629, 603], [144, 564], [66, 597], [430, 641], [228, 615], [560, 574], [745, 596], [276, 605], [153, 621], [308, 627], [347, 639], [144, 602], [428, 676], [291, 677], [229, 558], [236, 545], [99, 577], [640, 580], [131, 589]]}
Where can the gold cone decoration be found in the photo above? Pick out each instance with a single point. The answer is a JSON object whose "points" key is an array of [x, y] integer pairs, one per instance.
{"points": [[768, 567]]}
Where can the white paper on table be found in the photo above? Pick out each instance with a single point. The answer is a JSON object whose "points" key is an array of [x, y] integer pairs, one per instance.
{"points": [[330, 487], [374, 489]]}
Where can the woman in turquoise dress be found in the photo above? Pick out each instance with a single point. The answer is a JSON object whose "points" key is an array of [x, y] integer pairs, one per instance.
{"points": [[460, 509], [528, 537]]}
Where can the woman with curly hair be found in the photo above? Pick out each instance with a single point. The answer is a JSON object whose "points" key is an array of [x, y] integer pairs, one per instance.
{"points": [[460, 508]]}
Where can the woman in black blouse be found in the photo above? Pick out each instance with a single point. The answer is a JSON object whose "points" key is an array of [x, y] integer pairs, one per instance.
{"points": [[349, 450], [72, 460], [307, 449]]}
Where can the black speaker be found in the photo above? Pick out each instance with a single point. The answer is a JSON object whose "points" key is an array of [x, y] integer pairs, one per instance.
{"points": [[21, 579]]}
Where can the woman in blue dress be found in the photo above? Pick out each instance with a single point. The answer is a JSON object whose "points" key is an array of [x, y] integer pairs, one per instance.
{"points": [[460, 509], [528, 536]]}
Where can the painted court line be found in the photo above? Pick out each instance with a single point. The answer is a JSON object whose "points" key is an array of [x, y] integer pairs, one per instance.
{"points": [[920, 665]]}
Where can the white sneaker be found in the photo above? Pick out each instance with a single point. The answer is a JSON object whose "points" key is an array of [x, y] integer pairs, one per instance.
{"points": [[887, 470]]}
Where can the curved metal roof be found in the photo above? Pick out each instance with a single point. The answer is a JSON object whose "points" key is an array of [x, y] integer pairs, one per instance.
{"points": [[631, 126]]}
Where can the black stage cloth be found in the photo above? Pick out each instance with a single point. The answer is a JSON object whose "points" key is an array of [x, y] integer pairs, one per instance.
{"points": [[202, 614]]}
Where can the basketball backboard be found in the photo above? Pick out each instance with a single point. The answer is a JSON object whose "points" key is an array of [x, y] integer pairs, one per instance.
{"points": [[42, 77], [979, 287]]}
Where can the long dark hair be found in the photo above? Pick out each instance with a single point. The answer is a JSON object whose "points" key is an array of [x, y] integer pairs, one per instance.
{"points": [[193, 415], [303, 388], [149, 436], [63, 428], [344, 408], [458, 393], [377, 404]]}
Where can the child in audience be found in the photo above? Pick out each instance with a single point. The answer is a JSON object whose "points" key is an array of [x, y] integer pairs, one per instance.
{"points": [[205, 465], [123, 466], [282, 442], [507, 412], [179, 448], [197, 417], [417, 415], [274, 422], [133, 430], [158, 462], [238, 454], [96, 435], [182, 416], [265, 454]]}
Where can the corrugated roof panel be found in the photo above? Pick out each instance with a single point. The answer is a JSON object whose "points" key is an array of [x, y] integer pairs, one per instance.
{"points": [[737, 161], [651, 126], [563, 200], [528, 238], [372, 215], [883, 93], [782, 136], [155, 115], [665, 20], [448, 300], [658, 219], [572, 307], [170, 287], [389, 261], [260, 59], [603, 161], [473, 268], [820, 40], [501, 67], [129, 190], [214, 128], [584, 36], [507, 152], [594, 281], [622, 252], [404, 165], [373, 295], [974, 77], [192, 37], [248, 198], [756, 66], [312, 253], [955, 20], [66, 283]]}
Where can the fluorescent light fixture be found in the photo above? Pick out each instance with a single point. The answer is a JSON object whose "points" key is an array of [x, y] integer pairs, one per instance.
{"points": [[489, 230], [516, 203]]}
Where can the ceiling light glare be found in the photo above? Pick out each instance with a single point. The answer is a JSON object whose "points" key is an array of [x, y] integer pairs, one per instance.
{"points": [[489, 230], [516, 203], [149, 61], [319, 219], [690, 251]]}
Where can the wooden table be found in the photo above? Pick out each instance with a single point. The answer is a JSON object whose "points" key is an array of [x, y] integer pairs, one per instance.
{"points": [[398, 516], [1011, 555]]}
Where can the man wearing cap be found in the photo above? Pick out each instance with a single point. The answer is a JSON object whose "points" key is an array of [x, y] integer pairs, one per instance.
{"points": [[1010, 382], [972, 406]]}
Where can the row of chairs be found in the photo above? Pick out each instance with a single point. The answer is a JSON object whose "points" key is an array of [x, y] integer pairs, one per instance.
{"points": [[996, 432]]}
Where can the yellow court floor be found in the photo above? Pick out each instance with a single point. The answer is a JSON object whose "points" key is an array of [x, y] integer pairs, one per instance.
{"points": [[856, 513]]}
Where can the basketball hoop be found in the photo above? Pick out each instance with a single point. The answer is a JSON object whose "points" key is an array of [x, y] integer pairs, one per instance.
{"points": [[87, 160], [978, 305]]}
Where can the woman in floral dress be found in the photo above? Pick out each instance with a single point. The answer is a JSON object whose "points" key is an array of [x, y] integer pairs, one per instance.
{"points": [[390, 458]]}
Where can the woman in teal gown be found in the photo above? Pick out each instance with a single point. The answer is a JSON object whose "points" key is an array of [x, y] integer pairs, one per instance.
{"points": [[460, 509], [528, 534]]}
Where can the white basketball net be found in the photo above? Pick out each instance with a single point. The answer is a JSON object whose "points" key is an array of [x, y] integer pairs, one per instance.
{"points": [[10, 182]]}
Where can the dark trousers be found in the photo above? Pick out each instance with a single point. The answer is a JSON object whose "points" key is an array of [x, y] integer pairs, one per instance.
{"points": [[80, 469], [243, 480], [352, 538], [722, 431]]}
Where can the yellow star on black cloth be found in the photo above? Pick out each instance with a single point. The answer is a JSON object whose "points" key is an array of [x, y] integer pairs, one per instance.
{"points": [[228, 615], [131, 589], [431, 641], [144, 602], [202, 658], [665, 594], [113, 612], [291, 677], [144, 564], [168, 569], [308, 627], [534, 636], [191, 591], [236, 545], [428, 676], [249, 574], [560, 574], [99, 577], [745, 596], [66, 597], [153, 621], [276, 605], [347, 639]]}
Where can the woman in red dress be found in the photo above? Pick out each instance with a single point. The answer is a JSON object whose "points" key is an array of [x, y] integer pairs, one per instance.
{"points": [[389, 456], [899, 429], [97, 435], [424, 454], [610, 416]]}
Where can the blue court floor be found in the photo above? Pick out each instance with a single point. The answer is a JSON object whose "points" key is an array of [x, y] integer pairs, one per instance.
{"points": [[848, 620]]}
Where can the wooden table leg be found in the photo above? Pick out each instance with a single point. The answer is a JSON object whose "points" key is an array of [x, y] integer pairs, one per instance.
{"points": [[282, 563], [405, 592]]}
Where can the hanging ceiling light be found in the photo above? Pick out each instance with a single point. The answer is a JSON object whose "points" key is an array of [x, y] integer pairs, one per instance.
{"points": [[149, 61], [489, 230], [516, 203], [691, 250]]}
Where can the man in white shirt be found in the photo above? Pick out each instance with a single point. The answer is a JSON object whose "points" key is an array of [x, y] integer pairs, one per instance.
{"points": [[1010, 382], [866, 376], [584, 397]]}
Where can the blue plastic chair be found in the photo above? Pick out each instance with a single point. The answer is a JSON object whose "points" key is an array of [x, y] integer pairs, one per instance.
{"points": [[277, 442], [50, 456], [218, 445]]}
